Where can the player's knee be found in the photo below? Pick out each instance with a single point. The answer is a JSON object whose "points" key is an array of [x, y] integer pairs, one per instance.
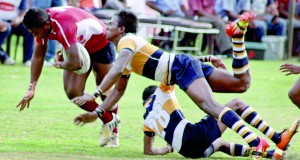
{"points": [[243, 87], [72, 93], [244, 84]]}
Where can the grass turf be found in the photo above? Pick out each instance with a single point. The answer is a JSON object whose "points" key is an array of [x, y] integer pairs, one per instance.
{"points": [[46, 131]]}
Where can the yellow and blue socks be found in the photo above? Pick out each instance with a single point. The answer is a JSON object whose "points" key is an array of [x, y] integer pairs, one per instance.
{"points": [[233, 121], [252, 117], [240, 58]]}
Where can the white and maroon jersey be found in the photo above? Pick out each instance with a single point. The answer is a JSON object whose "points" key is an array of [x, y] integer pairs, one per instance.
{"points": [[71, 25]]}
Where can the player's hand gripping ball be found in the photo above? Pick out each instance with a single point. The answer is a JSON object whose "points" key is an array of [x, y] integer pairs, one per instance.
{"points": [[85, 59]]}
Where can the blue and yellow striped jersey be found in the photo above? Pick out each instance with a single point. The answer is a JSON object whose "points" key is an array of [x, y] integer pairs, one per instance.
{"points": [[148, 60], [164, 116]]}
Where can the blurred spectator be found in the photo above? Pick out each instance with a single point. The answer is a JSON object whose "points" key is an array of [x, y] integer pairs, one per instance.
{"points": [[113, 4], [13, 12], [283, 8], [51, 43], [267, 19], [171, 8], [203, 10], [229, 10], [5, 30], [93, 5]]}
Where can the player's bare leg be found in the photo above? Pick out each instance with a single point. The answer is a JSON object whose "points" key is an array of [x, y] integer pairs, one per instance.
{"points": [[74, 84], [281, 139], [223, 81], [200, 92]]}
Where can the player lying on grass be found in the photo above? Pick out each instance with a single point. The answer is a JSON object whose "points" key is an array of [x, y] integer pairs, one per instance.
{"points": [[139, 56], [165, 118]]}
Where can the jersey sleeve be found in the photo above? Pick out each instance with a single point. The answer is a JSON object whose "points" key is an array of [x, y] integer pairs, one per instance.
{"points": [[147, 129], [126, 43]]}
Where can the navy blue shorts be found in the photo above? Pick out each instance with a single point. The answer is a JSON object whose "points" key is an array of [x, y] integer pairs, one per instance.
{"points": [[186, 69], [198, 137], [105, 56]]}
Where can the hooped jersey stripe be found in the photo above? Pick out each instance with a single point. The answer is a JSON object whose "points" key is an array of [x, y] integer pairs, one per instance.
{"points": [[148, 60], [164, 117]]}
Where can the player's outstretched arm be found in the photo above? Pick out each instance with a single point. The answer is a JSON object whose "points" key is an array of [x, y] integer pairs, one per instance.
{"points": [[25, 102], [216, 62], [37, 62], [150, 150], [87, 117], [290, 69]]}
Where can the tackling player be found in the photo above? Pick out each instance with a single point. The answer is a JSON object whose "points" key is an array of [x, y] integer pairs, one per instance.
{"points": [[192, 76], [71, 26]]}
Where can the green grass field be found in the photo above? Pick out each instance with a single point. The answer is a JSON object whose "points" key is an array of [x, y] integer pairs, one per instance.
{"points": [[46, 129]]}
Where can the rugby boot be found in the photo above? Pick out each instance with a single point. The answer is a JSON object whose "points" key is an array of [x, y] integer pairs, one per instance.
{"points": [[239, 27]]}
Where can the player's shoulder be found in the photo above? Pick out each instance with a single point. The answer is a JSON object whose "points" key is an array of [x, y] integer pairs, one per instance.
{"points": [[129, 37]]}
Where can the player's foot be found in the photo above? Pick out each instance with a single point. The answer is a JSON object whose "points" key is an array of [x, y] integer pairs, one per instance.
{"points": [[278, 155], [107, 130], [114, 141], [287, 135], [261, 148], [274, 154], [239, 27], [253, 154], [105, 135]]}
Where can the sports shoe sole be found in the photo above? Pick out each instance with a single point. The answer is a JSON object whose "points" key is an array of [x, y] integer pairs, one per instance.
{"points": [[292, 131], [234, 29]]}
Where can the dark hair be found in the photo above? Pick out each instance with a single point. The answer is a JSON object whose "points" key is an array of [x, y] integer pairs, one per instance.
{"points": [[35, 18], [148, 91], [127, 19]]}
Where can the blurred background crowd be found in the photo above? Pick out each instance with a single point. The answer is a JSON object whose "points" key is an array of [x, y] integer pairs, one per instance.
{"points": [[272, 19]]}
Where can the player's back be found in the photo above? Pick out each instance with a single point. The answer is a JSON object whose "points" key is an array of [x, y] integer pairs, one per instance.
{"points": [[71, 25], [148, 60], [164, 117]]}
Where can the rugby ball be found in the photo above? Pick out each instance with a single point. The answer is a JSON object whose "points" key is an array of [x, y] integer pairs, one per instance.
{"points": [[84, 56]]}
